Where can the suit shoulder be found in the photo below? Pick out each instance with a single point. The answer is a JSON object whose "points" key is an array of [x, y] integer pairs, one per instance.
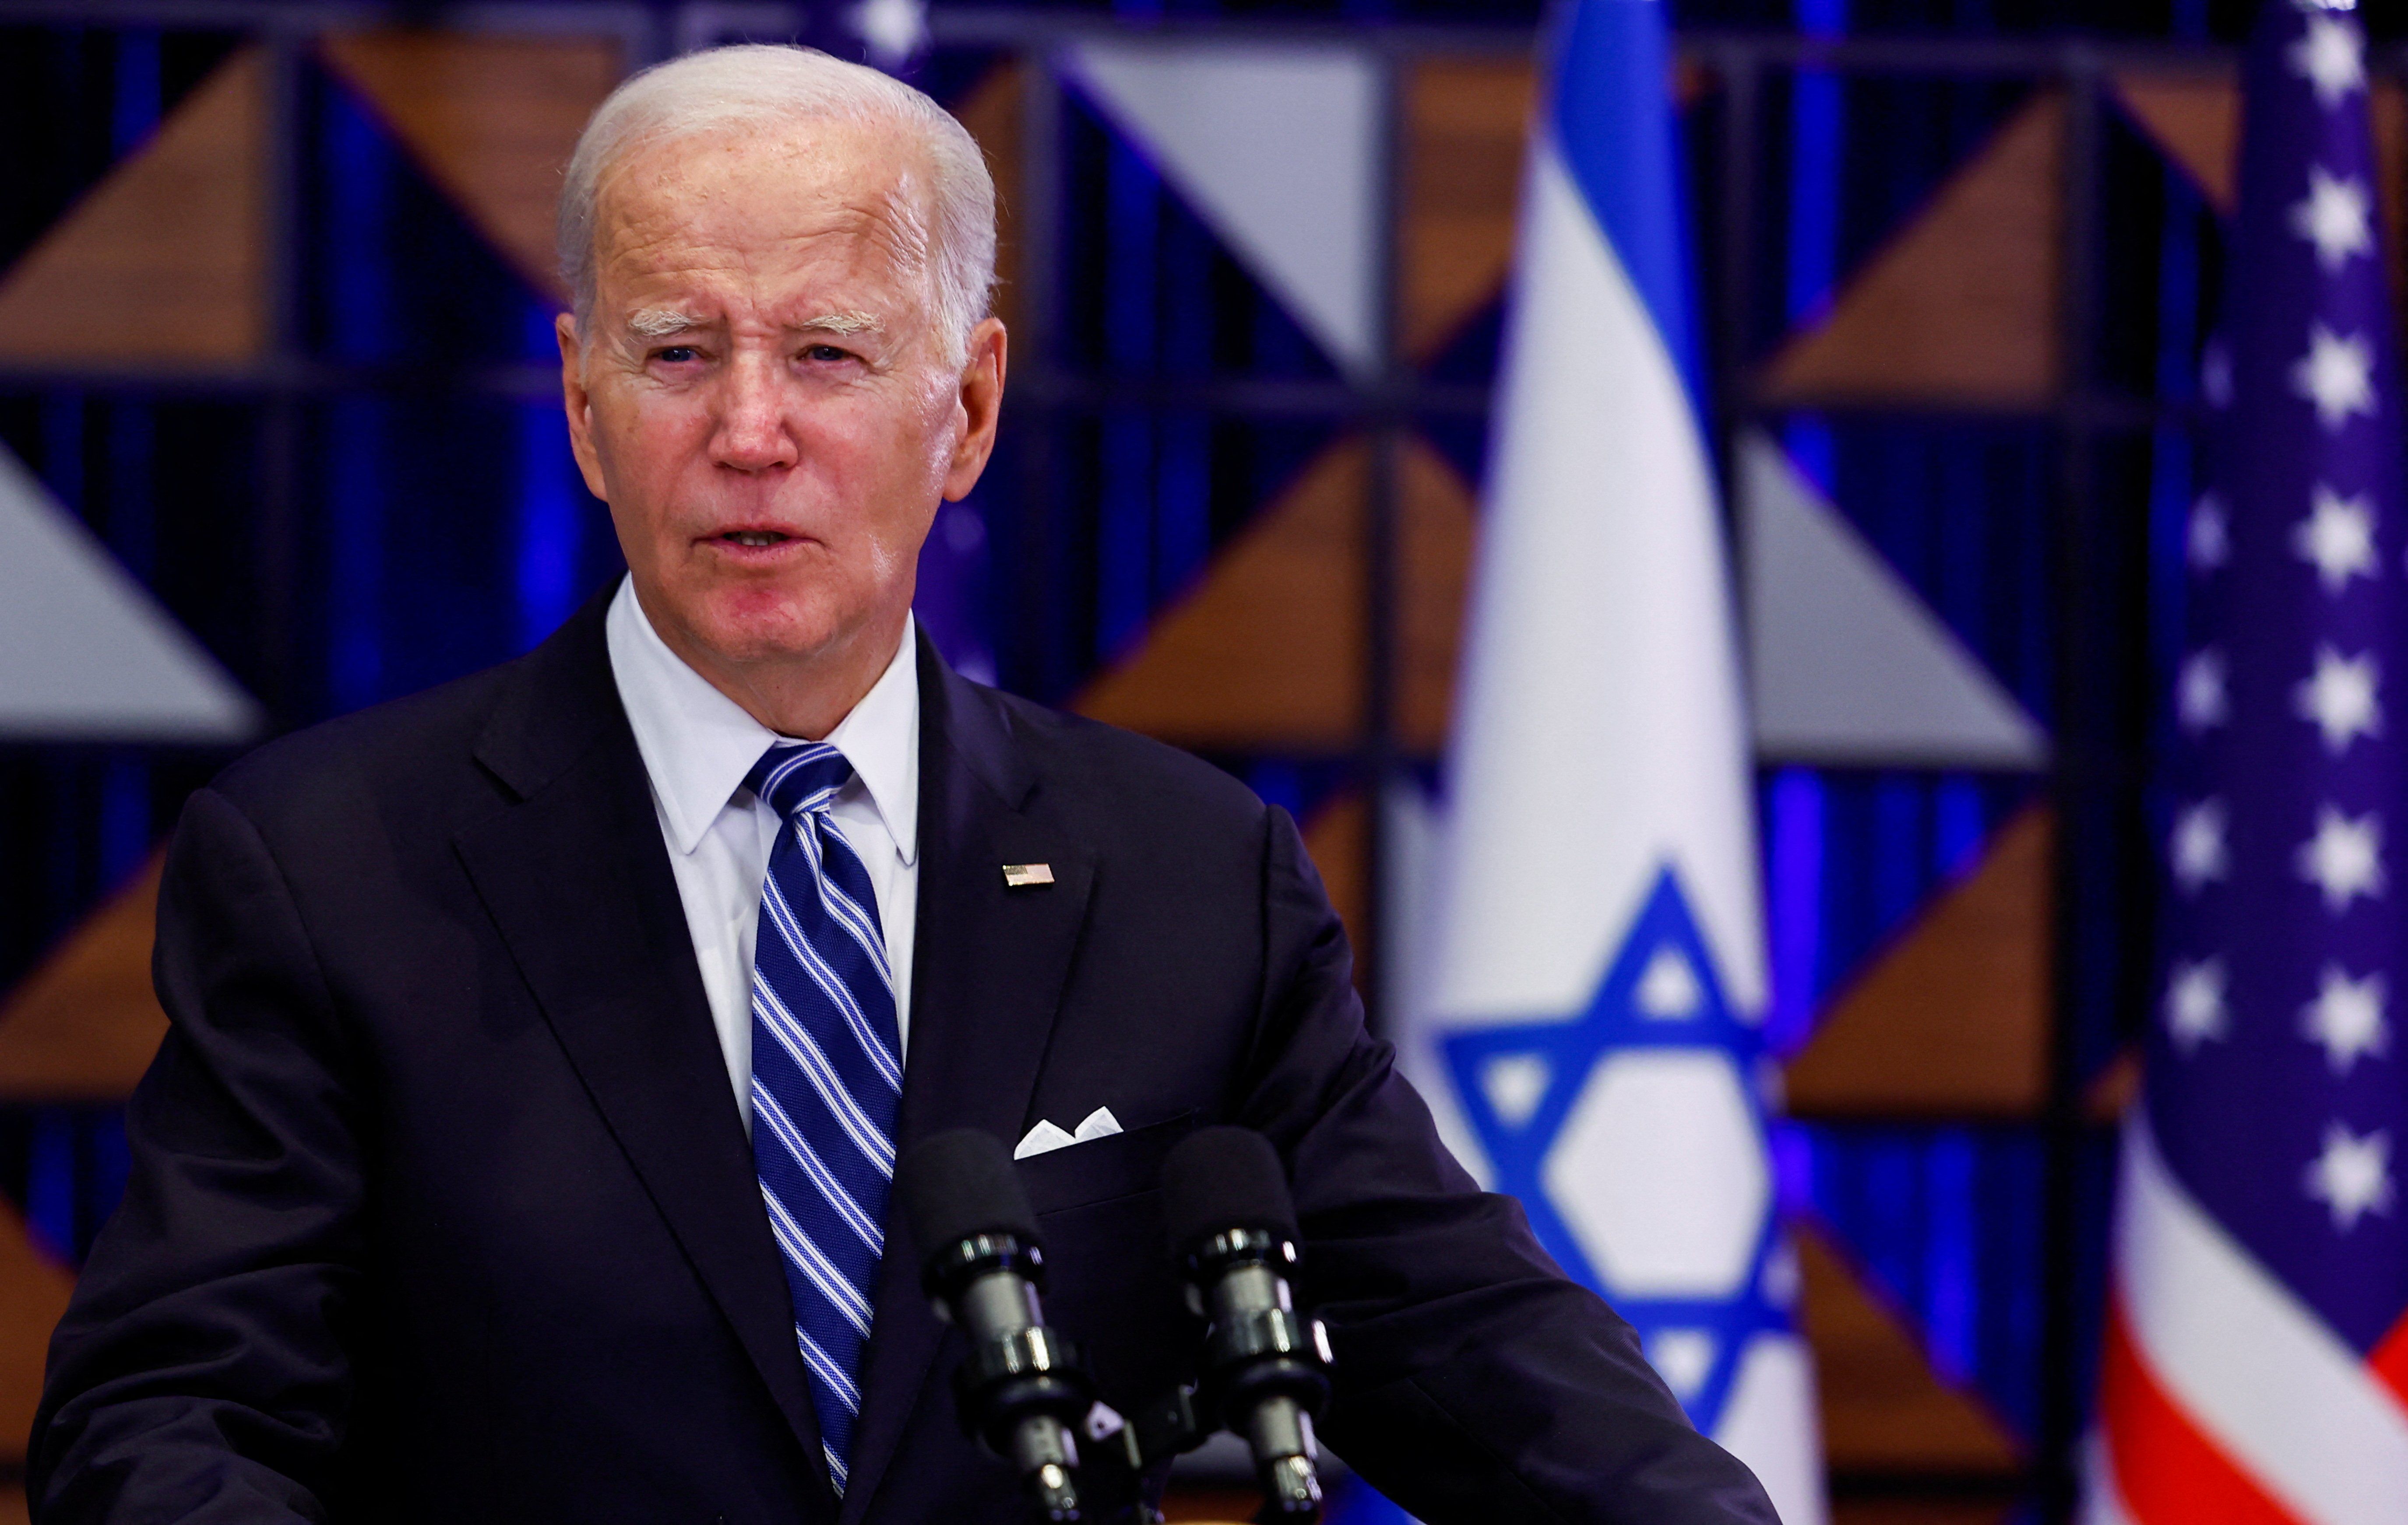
{"points": [[403, 744], [1098, 760]]}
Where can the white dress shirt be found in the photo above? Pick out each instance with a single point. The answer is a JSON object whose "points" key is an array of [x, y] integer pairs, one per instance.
{"points": [[697, 745]]}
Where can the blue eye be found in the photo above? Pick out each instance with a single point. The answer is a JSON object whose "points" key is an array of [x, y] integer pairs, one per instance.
{"points": [[825, 352], [677, 354]]}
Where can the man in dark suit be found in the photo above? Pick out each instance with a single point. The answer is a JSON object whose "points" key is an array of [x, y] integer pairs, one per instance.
{"points": [[516, 1151]]}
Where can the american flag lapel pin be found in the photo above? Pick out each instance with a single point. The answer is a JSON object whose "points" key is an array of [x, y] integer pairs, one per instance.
{"points": [[1022, 875]]}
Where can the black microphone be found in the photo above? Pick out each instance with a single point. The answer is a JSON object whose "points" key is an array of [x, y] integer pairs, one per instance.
{"points": [[1267, 1367], [1022, 1388]]}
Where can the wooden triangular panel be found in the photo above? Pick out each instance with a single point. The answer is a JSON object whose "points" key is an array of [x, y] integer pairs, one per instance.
{"points": [[32, 1294], [1434, 545], [992, 112], [1466, 132], [1961, 307], [164, 260], [2392, 183], [1466, 124], [491, 119], [1884, 1408], [85, 1024], [1337, 837], [1266, 651], [1267, 648], [2195, 121], [1952, 1020]]}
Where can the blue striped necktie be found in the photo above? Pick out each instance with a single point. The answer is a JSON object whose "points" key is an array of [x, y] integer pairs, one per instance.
{"points": [[827, 1077]]}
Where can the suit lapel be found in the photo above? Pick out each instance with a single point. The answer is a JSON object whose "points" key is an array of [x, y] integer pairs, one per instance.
{"points": [[988, 970], [578, 879]]}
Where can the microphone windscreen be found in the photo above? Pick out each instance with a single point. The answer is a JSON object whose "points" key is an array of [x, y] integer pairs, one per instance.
{"points": [[960, 1183], [1220, 1178]]}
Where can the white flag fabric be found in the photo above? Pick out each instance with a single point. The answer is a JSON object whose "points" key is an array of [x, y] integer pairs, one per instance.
{"points": [[1587, 1021]]}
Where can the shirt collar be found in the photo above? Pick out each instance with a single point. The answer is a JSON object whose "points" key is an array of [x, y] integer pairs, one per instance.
{"points": [[697, 744], [880, 739]]}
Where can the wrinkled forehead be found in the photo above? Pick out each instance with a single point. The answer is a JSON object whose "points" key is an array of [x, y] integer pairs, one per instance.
{"points": [[757, 200]]}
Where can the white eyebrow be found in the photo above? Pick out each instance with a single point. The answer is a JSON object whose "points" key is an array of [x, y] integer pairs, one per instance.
{"points": [[660, 322], [841, 323]]}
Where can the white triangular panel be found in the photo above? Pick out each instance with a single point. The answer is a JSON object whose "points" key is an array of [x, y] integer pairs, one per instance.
{"points": [[86, 654], [1276, 147], [1846, 665]]}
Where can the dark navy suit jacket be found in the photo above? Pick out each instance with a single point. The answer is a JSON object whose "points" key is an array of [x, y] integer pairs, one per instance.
{"points": [[441, 1207]]}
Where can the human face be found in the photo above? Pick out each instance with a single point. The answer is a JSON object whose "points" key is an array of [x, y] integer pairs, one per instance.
{"points": [[764, 400]]}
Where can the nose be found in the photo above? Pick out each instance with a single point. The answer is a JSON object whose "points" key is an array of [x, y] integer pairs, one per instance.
{"points": [[751, 436]]}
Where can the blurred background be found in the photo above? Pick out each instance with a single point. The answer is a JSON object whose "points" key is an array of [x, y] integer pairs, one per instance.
{"points": [[279, 394]]}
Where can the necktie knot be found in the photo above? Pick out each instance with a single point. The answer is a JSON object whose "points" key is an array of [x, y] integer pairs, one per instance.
{"points": [[794, 778]]}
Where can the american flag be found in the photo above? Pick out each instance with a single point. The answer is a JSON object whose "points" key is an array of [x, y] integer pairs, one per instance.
{"points": [[2256, 1355]]}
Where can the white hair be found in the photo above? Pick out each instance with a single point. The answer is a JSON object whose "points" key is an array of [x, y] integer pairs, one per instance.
{"points": [[757, 84]]}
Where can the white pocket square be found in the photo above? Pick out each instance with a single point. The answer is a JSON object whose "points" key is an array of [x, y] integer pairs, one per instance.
{"points": [[1045, 1136]]}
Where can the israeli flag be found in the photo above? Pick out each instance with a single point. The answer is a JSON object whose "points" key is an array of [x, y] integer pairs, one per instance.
{"points": [[1588, 1026]]}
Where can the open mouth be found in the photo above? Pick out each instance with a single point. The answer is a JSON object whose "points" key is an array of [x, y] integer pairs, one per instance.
{"points": [[755, 538]]}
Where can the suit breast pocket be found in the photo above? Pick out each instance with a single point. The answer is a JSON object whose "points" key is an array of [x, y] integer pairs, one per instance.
{"points": [[1110, 1284], [1117, 1166]]}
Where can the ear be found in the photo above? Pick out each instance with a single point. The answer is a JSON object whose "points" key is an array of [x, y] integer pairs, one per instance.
{"points": [[981, 403], [577, 403]]}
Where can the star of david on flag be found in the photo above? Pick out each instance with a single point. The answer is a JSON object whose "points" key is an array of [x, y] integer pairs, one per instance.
{"points": [[1634, 1136], [1584, 1014]]}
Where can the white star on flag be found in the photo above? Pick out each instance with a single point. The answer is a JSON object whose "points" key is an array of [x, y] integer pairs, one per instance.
{"points": [[2199, 854], [2194, 1004], [2335, 218], [2337, 374], [2331, 57], [2340, 699], [2353, 1175], [2338, 536], [2209, 542], [2199, 698], [2344, 859], [892, 30], [2346, 1017]]}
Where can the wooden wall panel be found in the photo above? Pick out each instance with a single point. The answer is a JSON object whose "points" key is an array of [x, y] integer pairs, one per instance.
{"points": [[164, 263], [1337, 838], [992, 112], [1884, 1409], [1952, 1020], [2195, 121], [1960, 307], [1267, 652], [1435, 542], [83, 1026], [491, 121], [1466, 122]]}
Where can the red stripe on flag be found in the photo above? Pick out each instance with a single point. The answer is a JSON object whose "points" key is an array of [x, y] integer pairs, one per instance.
{"points": [[2167, 1471], [2389, 1361]]}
